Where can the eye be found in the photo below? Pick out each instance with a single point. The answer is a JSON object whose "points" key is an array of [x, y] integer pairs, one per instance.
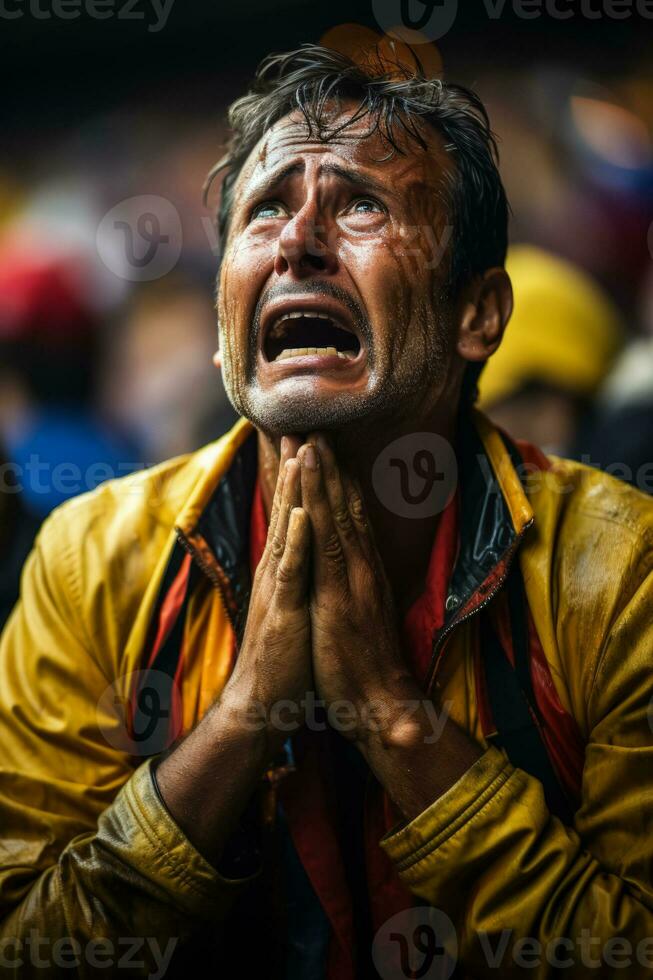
{"points": [[367, 205], [269, 209]]}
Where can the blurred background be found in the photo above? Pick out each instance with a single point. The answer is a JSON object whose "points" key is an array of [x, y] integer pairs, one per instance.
{"points": [[113, 115]]}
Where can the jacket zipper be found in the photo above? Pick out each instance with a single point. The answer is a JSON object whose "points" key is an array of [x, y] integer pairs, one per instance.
{"points": [[209, 572], [439, 641]]}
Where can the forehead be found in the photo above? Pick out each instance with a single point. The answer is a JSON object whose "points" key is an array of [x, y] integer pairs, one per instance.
{"points": [[359, 146]]}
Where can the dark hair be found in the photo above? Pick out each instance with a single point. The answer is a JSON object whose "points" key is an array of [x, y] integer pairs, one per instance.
{"points": [[395, 97]]}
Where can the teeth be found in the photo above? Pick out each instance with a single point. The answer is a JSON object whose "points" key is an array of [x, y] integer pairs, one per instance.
{"points": [[295, 314], [320, 351]]}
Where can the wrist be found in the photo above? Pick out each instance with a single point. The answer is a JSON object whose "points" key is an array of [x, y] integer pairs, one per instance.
{"points": [[245, 713], [388, 714]]}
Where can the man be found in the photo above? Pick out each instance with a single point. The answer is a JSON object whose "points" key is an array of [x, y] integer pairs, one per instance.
{"points": [[473, 777]]}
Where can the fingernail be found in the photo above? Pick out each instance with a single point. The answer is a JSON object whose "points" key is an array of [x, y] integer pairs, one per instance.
{"points": [[310, 457], [322, 441], [283, 448]]}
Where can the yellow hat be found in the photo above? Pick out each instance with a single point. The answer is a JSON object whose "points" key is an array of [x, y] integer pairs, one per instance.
{"points": [[564, 329]]}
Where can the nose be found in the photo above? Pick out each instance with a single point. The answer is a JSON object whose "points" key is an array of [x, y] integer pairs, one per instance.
{"points": [[306, 246]]}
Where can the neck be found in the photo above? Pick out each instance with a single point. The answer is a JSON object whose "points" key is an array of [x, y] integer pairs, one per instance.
{"points": [[403, 532]]}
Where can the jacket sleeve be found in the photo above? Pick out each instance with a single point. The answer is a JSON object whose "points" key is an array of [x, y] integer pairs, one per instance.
{"points": [[527, 896], [88, 851]]}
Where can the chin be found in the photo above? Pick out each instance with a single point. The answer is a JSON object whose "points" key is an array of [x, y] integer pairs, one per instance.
{"points": [[298, 412]]}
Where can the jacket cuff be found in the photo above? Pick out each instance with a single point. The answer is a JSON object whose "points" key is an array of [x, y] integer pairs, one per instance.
{"points": [[160, 850], [411, 844]]}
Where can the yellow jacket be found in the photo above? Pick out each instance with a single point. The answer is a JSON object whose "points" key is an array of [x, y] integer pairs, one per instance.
{"points": [[88, 851]]}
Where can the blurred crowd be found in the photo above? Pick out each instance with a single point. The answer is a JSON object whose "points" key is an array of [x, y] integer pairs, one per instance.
{"points": [[106, 365]]}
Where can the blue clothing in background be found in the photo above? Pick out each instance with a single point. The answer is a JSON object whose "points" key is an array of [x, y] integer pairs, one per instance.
{"points": [[59, 454]]}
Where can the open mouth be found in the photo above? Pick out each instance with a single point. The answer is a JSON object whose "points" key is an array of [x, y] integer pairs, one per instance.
{"points": [[302, 333]]}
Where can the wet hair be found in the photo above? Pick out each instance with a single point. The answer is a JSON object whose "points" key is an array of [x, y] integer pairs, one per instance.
{"points": [[397, 99]]}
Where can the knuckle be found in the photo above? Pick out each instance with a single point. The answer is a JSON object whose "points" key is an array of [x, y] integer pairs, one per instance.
{"points": [[286, 573], [342, 519], [276, 549], [333, 548], [356, 510]]}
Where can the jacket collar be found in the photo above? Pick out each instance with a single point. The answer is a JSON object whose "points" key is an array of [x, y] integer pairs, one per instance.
{"points": [[209, 465], [494, 508]]}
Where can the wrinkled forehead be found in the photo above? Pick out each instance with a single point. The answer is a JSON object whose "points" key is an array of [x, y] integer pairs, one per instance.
{"points": [[407, 167]]}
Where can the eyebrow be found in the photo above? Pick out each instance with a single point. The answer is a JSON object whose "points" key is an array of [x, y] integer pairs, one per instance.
{"points": [[353, 177]]}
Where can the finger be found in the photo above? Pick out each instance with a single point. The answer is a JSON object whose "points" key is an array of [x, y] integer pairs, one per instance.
{"points": [[358, 515], [335, 492], [287, 450], [276, 501], [364, 529], [292, 573], [290, 498], [329, 567]]}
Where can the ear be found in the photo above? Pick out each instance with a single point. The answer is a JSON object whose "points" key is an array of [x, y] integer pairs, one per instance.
{"points": [[217, 359], [487, 306]]}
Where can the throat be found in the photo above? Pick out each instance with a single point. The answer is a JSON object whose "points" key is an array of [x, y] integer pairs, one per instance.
{"points": [[405, 548]]}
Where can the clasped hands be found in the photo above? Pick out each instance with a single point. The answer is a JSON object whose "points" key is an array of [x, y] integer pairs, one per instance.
{"points": [[321, 619], [321, 615]]}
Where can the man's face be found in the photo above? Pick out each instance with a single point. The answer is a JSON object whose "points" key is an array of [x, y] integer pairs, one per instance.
{"points": [[330, 305]]}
